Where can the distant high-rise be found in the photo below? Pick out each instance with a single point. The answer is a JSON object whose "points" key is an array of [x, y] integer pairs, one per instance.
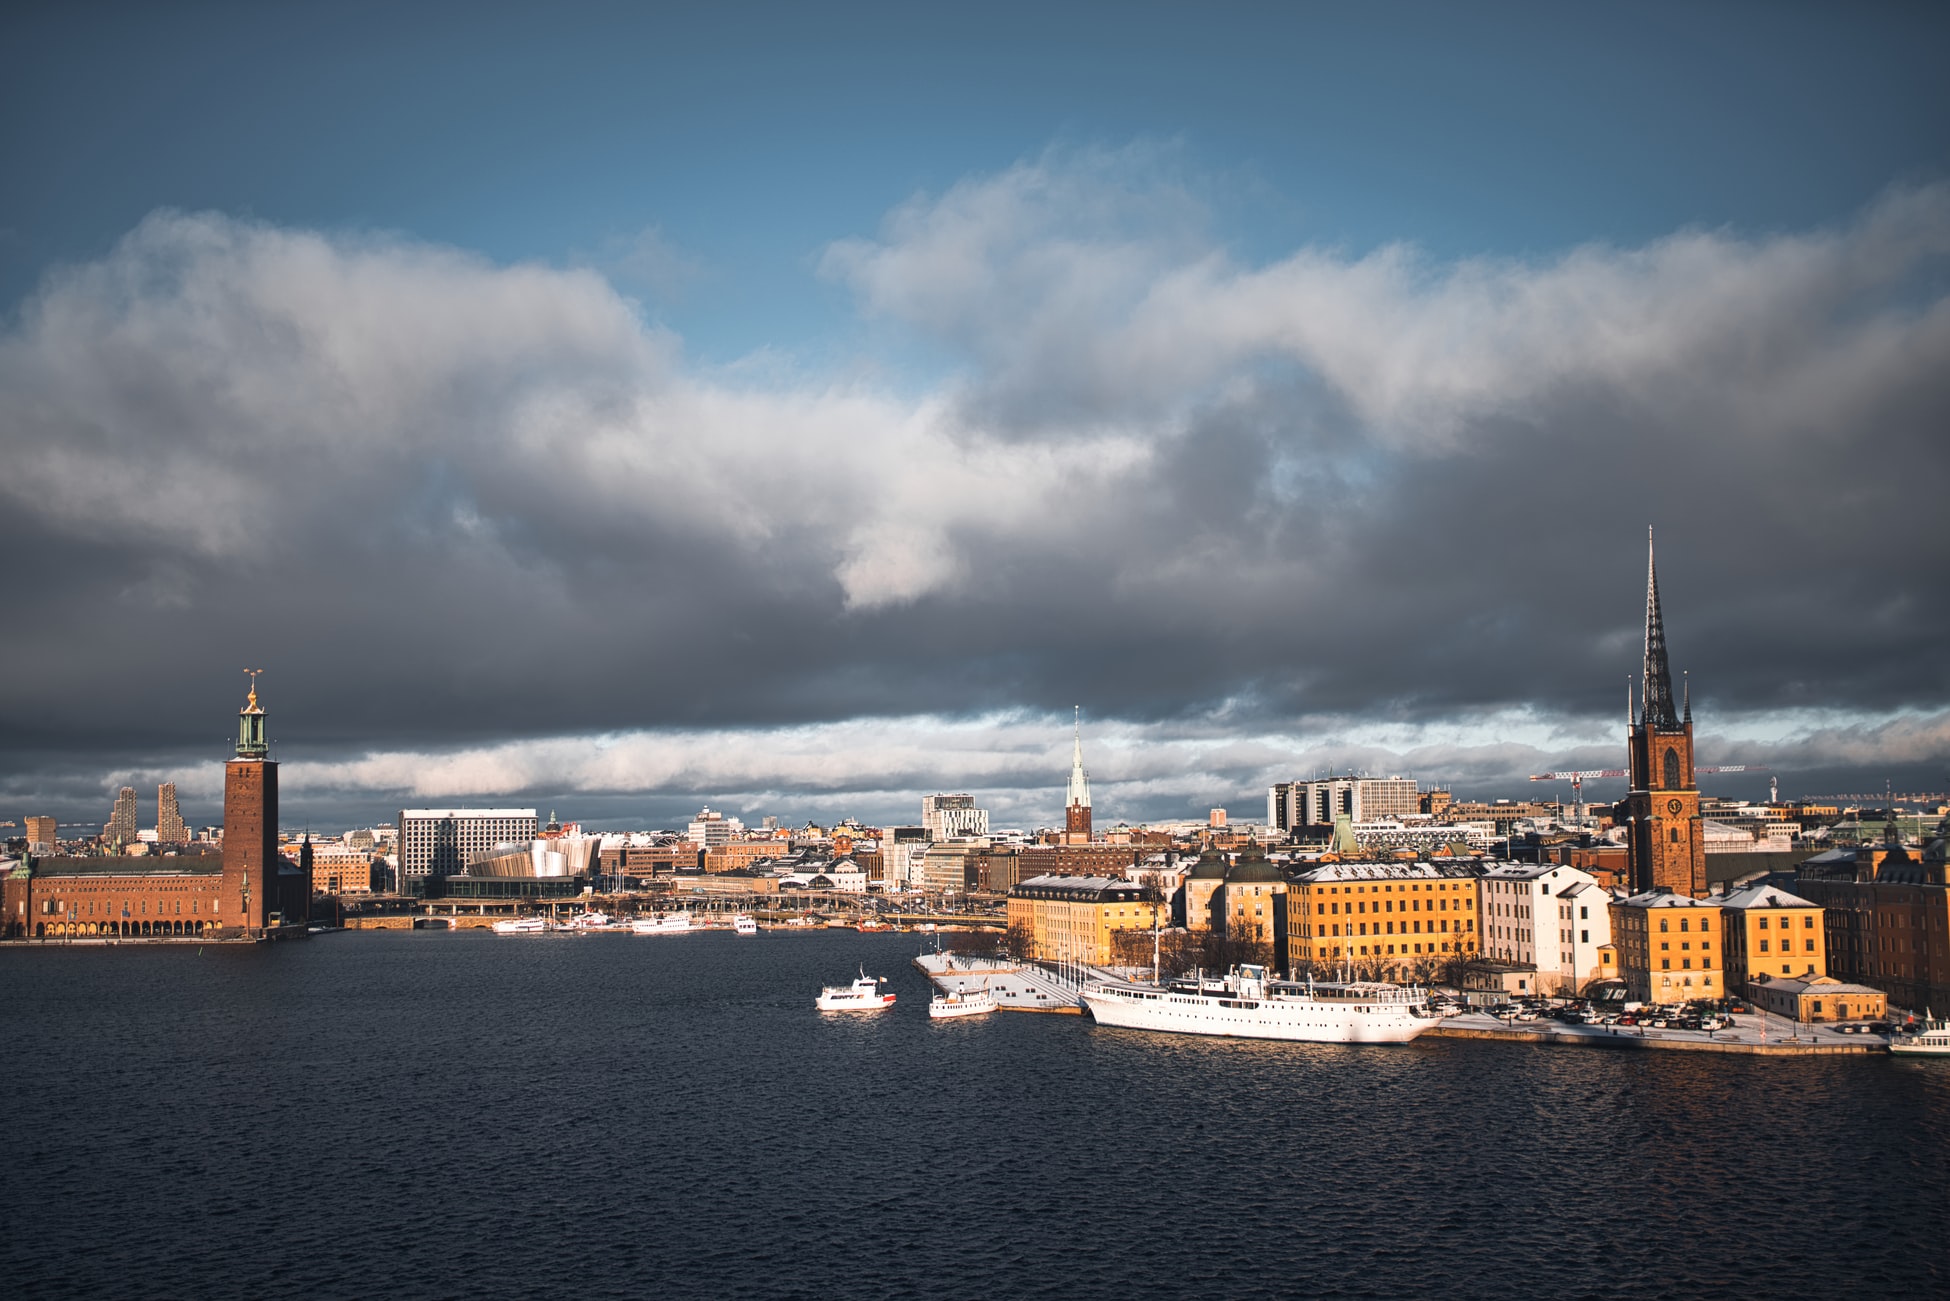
{"points": [[121, 825], [1076, 810], [1291, 805], [1668, 845], [41, 835], [169, 819]]}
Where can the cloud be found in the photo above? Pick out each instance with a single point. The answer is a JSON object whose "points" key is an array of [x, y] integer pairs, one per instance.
{"points": [[466, 510]]}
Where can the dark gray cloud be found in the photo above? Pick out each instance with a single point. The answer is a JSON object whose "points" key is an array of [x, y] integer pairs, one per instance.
{"points": [[1369, 509]]}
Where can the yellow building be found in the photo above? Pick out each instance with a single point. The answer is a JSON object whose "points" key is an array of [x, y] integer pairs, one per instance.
{"points": [[1074, 918], [1818, 998], [1669, 947], [1772, 933], [1394, 916]]}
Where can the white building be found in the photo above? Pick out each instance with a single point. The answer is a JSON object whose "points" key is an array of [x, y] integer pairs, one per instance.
{"points": [[901, 851], [1549, 916], [439, 842], [1359, 799], [709, 830], [843, 875], [946, 817]]}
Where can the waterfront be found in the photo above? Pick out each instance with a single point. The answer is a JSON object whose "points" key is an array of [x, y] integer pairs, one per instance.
{"points": [[431, 1114]]}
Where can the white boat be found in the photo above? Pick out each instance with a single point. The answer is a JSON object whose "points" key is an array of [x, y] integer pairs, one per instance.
{"points": [[961, 1002], [677, 923], [1247, 1005], [1933, 1040], [744, 924], [521, 926], [594, 921], [863, 995]]}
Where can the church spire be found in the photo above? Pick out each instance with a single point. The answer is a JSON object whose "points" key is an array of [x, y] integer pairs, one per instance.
{"points": [[1079, 780], [1658, 702]]}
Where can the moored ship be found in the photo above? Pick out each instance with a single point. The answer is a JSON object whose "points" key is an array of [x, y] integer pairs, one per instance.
{"points": [[961, 1002], [1932, 1039], [677, 923], [1246, 1004]]}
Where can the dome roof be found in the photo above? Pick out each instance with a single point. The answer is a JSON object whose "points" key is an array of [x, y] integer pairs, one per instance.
{"points": [[1211, 867], [1253, 865]]}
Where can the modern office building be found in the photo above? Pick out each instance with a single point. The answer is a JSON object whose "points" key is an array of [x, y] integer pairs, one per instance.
{"points": [[947, 817], [710, 829], [42, 837], [438, 843], [169, 818], [1295, 804]]}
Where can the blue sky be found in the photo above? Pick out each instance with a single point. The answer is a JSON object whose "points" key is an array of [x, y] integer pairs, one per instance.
{"points": [[846, 392], [752, 135]]}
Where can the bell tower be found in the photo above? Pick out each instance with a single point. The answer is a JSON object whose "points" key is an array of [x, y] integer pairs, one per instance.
{"points": [[250, 823], [1076, 812], [1668, 846]]}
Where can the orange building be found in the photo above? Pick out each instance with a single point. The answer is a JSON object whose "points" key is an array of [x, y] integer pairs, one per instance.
{"points": [[1669, 947], [1389, 915], [1771, 934]]}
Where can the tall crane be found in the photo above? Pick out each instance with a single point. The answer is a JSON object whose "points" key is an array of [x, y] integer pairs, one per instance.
{"points": [[1577, 778]]}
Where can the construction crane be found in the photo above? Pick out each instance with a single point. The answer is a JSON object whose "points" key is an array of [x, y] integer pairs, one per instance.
{"points": [[1577, 778]]}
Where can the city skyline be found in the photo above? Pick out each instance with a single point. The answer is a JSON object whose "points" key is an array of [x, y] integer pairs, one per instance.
{"points": [[1293, 397]]}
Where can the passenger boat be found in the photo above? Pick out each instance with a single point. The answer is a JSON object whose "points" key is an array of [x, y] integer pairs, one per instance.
{"points": [[1246, 1004], [677, 923], [1933, 1040], [961, 1002], [744, 924], [863, 995], [521, 926], [594, 921]]}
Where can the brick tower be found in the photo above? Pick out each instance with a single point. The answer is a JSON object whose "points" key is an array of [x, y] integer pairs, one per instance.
{"points": [[250, 823], [1076, 813], [1667, 842]]}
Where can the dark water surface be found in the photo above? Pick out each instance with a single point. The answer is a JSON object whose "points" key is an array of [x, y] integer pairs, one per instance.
{"points": [[463, 1115]]}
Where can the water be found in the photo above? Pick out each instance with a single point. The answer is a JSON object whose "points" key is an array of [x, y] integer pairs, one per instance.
{"points": [[434, 1115]]}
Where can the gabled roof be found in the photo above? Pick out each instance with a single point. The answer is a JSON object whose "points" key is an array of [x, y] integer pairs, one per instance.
{"points": [[1764, 896]]}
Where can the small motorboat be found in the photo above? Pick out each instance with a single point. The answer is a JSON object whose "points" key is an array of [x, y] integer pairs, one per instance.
{"points": [[863, 995]]}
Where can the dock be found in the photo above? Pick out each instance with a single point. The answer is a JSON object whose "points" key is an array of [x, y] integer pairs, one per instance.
{"points": [[1017, 986], [1761, 1034]]}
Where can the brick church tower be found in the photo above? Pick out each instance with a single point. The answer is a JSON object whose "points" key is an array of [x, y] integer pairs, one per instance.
{"points": [[1076, 812], [250, 824], [1668, 846]]}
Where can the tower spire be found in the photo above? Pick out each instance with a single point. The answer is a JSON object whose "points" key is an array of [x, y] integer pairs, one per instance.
{"points": [[1657, 700], [1079, 780]]}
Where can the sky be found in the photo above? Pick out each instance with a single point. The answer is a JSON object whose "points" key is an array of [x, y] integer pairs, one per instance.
{"points": [[800, 409]]}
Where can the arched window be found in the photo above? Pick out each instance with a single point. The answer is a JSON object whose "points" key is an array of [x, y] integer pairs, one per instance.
{"points": [[1672, 770]]}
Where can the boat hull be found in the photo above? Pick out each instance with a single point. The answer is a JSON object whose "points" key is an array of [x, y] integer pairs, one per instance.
{"points": [[941, 1010], [1304, 1020], [879, 1003]]}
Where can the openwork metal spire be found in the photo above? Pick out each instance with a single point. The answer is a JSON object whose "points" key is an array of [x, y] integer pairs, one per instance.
{"points": [[1079, 780], [1659, 710]]}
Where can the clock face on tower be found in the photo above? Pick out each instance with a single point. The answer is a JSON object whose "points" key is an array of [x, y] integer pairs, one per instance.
{"points": [[1673, 806]]}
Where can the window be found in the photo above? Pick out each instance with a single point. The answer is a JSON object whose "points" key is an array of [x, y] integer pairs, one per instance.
{"points": [[1584, 913], [1763, 923], [1811, 946], [1763, 946], [1672, 775]]}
